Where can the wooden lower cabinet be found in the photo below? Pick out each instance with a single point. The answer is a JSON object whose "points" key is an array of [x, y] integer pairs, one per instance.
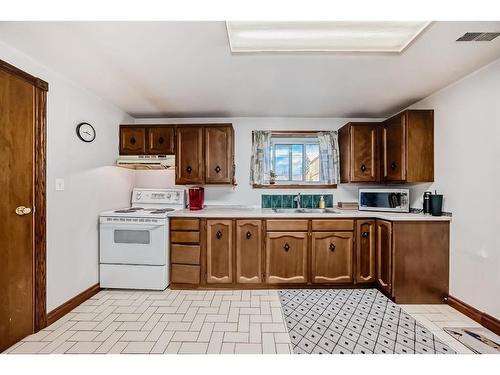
{"points": [[365, 251], [219, 251], [286, 257], [384, 255], [248, 251], [331, 255]]}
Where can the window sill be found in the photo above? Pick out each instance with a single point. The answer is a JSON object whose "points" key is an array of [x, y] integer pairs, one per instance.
{"points": [[296, 186]]}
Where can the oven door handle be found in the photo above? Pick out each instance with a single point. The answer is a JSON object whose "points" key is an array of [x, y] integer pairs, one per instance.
{"points": [[116, 225]]}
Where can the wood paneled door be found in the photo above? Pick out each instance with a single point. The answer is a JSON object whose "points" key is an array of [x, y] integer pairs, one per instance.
{"points": [[160, 140], [189, 157], [331, 257], [394, 149], [286, 257], [365, 251], [384, 255], [22, 204], [219, 154], [248, 252], [219, 251], [132, 140]]}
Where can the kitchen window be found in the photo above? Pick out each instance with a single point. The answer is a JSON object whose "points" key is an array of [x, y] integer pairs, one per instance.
{"points": [[294, 159]]}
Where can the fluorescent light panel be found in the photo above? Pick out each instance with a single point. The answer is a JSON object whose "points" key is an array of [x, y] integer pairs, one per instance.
{"points": [[341, 36]]}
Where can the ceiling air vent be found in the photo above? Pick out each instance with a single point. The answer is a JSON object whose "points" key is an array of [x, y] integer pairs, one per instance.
{"points": [[478, 37]]}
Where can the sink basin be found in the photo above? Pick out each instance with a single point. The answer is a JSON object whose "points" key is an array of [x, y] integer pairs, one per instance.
{"points": [[305, 211]]}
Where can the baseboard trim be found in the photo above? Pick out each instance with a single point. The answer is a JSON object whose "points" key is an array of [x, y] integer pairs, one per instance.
{"points": [[487, 321], [66, 307]]}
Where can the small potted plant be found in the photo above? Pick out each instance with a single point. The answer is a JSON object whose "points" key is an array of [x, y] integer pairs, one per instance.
{"points": [[272, 177]]}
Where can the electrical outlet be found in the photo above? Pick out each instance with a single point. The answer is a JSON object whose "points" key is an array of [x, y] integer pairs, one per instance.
{"points": [[59, 184]]}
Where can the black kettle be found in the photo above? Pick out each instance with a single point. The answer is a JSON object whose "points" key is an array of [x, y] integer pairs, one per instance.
{"points": [[427, 203]]}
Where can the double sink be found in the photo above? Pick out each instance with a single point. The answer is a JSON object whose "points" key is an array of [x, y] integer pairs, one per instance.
{"points": [[305, 211]]}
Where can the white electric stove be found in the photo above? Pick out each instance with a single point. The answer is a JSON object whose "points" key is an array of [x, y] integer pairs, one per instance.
{"points": [[133, 241]]}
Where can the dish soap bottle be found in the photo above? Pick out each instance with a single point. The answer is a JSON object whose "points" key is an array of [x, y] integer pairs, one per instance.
{"points": [[321, 202]]}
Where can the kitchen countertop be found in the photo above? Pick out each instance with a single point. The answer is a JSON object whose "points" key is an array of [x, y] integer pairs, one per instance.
{"points": [[268, 213]]}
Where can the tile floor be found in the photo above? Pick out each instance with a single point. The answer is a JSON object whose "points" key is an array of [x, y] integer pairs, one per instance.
{"points": [[195, 322]]}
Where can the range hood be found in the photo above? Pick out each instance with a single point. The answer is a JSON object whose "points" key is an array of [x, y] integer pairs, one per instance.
{"points": [[146, 161]]}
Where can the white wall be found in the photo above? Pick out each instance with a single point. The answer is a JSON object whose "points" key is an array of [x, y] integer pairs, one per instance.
{"points": [[467, 151], [92, 184]]}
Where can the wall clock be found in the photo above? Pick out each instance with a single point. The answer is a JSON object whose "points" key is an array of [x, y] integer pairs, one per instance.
{"points": [[85, 132]]}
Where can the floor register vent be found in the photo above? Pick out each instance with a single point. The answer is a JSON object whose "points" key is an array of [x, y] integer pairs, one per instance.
{"points": [[478, 37]]}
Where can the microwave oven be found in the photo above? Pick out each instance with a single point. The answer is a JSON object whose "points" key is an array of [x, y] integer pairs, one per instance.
{"points": [[388, 200]]}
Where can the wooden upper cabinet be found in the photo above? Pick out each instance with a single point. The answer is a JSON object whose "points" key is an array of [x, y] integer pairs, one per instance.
{"points": [[189, 156], [160, 140], [219, 251], [286, 257], [132, 140], [359, 152], [384, 254], [219, 154], [248, 252], [394, 149], [332, 257], [365, 251]]}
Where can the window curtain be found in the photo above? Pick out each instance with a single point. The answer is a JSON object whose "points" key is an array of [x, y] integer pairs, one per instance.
{"points": [[329, 156], [260, 163]]}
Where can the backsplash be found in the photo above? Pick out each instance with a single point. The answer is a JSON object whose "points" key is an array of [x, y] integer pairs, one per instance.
{"points": [[286, 200]]}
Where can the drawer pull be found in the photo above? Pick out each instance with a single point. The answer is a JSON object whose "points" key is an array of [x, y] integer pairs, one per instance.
{"points": [[393, 165], [132, 140], [286, 247], [365, 234], [217, 169], [248, 235], [363, 168], [189, 169], [161, 140], [332, 247], [218, 234]]}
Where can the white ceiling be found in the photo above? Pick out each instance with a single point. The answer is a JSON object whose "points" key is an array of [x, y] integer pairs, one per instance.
{"points": [[186, 69]]}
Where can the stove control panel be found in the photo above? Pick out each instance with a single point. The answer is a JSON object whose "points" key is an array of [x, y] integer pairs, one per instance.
{"points": [[158, 196]]}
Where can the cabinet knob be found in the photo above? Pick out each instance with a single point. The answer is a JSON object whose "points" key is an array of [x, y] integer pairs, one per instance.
{"points": [[332, 247], [365, 234], [363, 167], [189, 169], [217, 169], [286, 247], [161, 140], [132, 140], [218, 234], [249, 235], [393, 165]]}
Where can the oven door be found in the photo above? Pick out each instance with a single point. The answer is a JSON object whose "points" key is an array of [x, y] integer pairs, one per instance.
{"points": [[132, 242]]}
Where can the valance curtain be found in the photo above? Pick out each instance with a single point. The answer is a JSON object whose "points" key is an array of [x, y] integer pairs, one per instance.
{"points": [[260, 163], [329, 157]]}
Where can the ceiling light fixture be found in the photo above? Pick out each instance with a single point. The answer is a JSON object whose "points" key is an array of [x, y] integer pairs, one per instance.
{"points": [[334, 36]]}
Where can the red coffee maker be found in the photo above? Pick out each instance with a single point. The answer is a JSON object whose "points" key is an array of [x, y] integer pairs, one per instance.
{"points": [[196, 198]]}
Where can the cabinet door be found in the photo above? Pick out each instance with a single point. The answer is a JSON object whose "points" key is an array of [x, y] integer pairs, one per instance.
{"points": [[394, 148], [286, 257], [364, 153], [132, 140], [219, 251], [332, 257], [365, 251], [248, 252], [161, 141], [219, 154], [189, 158], [384, 255]]}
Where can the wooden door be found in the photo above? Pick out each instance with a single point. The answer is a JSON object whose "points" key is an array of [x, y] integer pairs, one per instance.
{"points": [[286, 257], [22, 179], [160, 140], [364, 153], [394, 149], [189, 156], [331, 257], [248, 251], [365, 251], [219, 251], [132, 140], [384, 255], [218, 155]]}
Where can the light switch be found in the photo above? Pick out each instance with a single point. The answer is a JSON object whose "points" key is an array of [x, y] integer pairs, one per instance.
{"points": [[59, 184]]}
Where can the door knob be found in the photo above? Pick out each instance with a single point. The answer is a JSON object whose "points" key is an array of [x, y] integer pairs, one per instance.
{"points": [[249, 234], [286, 247], [218, 234], [218, 169], [332, 247], [363, 167], [21, 210]]}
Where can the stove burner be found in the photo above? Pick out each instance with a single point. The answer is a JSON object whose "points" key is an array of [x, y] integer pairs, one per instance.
{"points": [[162, 210]]}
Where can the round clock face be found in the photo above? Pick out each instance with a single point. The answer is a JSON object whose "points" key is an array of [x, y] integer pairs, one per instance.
{"points": [[85, 132]]}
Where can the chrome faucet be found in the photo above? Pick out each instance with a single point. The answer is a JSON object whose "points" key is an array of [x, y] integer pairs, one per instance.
{"points": [[297, 199]]}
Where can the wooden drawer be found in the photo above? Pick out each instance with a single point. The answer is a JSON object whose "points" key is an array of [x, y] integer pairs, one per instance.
{"points": [[183, 274], [185, 224], [333, 224], [186, 254], [184, 237], [286, 225]]}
